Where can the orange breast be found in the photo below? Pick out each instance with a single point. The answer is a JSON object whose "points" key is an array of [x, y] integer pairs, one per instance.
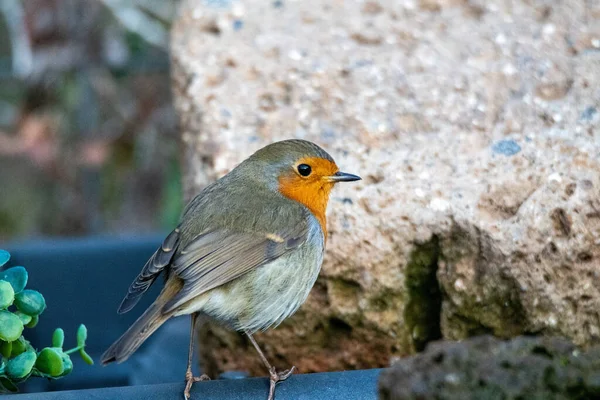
{"points": [[312, 191]]}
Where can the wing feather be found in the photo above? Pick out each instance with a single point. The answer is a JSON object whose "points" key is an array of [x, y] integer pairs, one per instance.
{"points": [[154, 266], [217, 257]]}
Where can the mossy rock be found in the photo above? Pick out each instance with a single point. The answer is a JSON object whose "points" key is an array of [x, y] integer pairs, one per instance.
{"points": [[485, 368]]}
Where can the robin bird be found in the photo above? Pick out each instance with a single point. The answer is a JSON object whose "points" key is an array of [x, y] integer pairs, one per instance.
{"points": [[247, 251]]}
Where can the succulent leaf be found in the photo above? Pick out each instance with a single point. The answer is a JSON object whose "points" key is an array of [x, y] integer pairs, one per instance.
{"points": [[58, 338], [25, 319], [18, 359], [7, 295], [20, 366], [5, 348], [86, 357], [33, 322], [11, 326], [4, 257], [81, 335], [19, 346], [30, 302], [16, 276], [67, 364], [50, 361]]}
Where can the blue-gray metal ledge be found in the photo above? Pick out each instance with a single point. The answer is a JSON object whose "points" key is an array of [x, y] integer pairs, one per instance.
{"points": [[347, 385]]}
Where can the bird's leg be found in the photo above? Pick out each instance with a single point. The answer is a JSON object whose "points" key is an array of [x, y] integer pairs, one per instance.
{"points": [[274, 376], [189, 376]]}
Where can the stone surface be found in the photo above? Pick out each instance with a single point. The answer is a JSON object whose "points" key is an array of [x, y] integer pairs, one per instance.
{"points": [[475, 126], [487, 368]]}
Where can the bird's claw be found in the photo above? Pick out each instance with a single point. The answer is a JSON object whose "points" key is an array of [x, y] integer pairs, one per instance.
{"points": [[275, 377], [190, 380], [280, 376]]}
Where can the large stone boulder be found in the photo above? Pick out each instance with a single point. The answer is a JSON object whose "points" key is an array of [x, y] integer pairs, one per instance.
{"points": [[486, 368], [476, 128]]}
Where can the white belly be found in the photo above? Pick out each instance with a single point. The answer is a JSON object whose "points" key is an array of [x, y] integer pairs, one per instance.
{"points": [[271, 293]]}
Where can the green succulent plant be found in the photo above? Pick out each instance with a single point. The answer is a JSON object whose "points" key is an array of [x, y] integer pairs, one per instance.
{"points": [[20, 308]]}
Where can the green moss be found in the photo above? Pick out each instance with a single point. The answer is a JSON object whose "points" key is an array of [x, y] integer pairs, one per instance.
{"points": [[384, 300], [423, 295], [345, 289], [491, 304]]}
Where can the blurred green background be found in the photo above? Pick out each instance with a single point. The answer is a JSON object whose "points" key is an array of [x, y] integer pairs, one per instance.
{"points": [[88, 135]]}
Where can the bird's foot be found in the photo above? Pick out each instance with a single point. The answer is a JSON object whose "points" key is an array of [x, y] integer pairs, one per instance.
{"points": [[190, 379], [276, 377]]}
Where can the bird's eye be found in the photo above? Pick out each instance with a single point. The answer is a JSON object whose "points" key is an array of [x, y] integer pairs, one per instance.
{"points": [[304, 169]]}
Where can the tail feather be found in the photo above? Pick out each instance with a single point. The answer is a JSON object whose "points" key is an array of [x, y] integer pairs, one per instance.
{"points": [[142, 328], [137, 334]]}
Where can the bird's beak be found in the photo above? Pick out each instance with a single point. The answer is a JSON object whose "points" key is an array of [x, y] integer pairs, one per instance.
{"points": [[343, 177]]}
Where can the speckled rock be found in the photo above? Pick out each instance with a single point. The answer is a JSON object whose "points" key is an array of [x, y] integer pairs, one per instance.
{"points": [[475, 126], [486, 368]]}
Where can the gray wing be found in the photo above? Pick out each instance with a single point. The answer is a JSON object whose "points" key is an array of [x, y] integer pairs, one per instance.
{"points": [[217, 257], [155, 265]]}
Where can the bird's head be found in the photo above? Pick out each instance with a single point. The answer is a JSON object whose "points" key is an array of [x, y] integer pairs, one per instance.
{"points": [[299, 170]]}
